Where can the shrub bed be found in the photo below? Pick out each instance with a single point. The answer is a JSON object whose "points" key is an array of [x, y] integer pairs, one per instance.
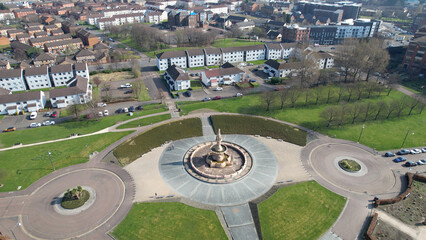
{"points": [[133, 148], [349, 165], [72, 203], [258, 126]]}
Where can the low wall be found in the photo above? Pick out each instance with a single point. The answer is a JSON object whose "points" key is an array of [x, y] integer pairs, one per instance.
{"points": [[369, 234]]}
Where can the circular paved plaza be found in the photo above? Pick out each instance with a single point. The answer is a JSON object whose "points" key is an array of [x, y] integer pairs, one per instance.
{"points": [[40, 219], [255, 183]]}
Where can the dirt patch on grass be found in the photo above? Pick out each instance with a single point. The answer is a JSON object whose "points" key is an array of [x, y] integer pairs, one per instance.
{"points": [[114, 77], [412, 210], [386, 231]]}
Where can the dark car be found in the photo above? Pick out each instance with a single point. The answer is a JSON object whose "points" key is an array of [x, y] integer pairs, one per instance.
{"points": [[120, 110], [128, 92], [217, 98], [400, 159], [54, 114], [252, 80], [389, 154], [410, 164], [403, 152], [131, 109], [140, 107], [188, 93]]}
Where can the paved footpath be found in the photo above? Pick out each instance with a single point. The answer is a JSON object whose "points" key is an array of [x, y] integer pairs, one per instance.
{"points": [[240, 222]]}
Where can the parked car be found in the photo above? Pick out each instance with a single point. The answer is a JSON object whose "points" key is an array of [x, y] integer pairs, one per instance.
{"points": [[410, 164], [127, 85], [54, 114], [250, 64], [389, 154], [10, 129], [47, 114], [415, 151], [421, 162], [400, 159], [217, 98], [206, 99], [131, 109], [218, 89], [140, 107], [128, 92], [403, 152], [106, 112], [239, 95], [130, 113], [35, 125], [88, 116], [252, 80], [101, 104], [99, 114], [33, 115], [424, 150], [126, 110], [49, 122], [120, 110]]}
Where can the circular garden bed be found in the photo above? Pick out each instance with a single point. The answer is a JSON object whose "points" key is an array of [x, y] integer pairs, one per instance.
{"points": [[71, 201], [349, 165]]}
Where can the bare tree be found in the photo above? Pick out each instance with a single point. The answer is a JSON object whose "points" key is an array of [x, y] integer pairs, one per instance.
{"points": [[391, 82], [330, 92], [268, 98], [354, 111], [340, 91], [137, 87], [75, 110], [318, 92], [368, 109], [329, 114], [382, 106], [136, 69], [350, 89], [376, 57], [283, 96], [343, 110], [293, 94], [97, 81], [421, 106], [345, 56], [308, 93], [358, 88], [411, 103]]}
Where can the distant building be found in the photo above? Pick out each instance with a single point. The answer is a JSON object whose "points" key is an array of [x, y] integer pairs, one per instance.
{"points": [[295, 33], [415, 57], [276, 69]]}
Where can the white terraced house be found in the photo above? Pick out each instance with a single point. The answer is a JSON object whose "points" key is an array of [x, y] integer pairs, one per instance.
{"points": [[78, 91], [213, 56], [195, 57], [27, 101], [283, 69], [219, 76], [168, 59], [323, 59], [61, 74], [254, 52], [12, 80], [274, 51], [177, 78], [37, 77], [289, 49], [233, 54], [81, 70]]}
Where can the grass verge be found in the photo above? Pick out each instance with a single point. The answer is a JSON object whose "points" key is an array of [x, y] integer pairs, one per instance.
{"points": [[23, 166], [289, 212], [145, 121], [64, 130], [258, 126], [133, 148], [169, 221]]}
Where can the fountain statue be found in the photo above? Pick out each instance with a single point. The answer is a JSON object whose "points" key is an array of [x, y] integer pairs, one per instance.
{"points": [[218, 156]]}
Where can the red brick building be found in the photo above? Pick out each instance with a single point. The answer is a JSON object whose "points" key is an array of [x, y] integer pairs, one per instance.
{"points": [[20, 13], [295, 34]]}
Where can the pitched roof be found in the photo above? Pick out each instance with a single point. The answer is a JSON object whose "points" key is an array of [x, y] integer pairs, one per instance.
{"points": [[79, 86], [100, 46], [4, 91], [195, 52], [80, 67], [61, 68], [10, 73], [84, 53], [50, 38], [177, 74], [45, 57], [227, 65], [171, 54], [289, 45], [215, 51], [222, 72], [283, 65], [64, 42], [275, 46], [20, 97], [245, 24], [36, 71]]}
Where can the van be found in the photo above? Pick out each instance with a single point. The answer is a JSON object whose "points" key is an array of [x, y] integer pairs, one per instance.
{"points": [[33, 115]]}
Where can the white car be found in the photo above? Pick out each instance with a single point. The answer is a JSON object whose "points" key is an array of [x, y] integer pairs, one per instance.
{"points": [[424, 150], [106, 112], [218, 89], [101, 104], [239, 95], [99, 114], [48, 122], [127, 85], [125, 110], [415, 151], [35, 125], [33, 115], [421, 162]]}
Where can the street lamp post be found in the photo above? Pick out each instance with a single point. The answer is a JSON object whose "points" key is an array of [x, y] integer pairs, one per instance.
{"points": [[360, 134], [406, 135], [49, 153], [11, 230]]}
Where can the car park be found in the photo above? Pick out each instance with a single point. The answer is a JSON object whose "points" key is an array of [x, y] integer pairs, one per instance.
{"points": [[54, 114], [415, 151], [421, 162], [403, 152], [389, 154], [400, 159], [218, 89], [10, 129], [131, 109], [217, 98], [35, 125], [206, 99], [106, 112], [410, 164], [33, 115], [140, 107]]}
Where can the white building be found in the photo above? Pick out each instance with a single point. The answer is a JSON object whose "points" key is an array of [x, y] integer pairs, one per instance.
{"points": [[6, 15], [218, 9], [92, 19], [61, 74], [177, 78], [323, 59], [78, 91], [37, 77], [289, 49], [276, 69], [220, 76], [103, 23], [254, 52], [27, 101], [233, 54], [168, 59], [273, 51], [81, 69], [195, 57], [213, 56], [12, 80], [155, 17]]}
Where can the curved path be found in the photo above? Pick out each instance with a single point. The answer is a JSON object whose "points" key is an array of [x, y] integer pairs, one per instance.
{"points": [[25, 205]]}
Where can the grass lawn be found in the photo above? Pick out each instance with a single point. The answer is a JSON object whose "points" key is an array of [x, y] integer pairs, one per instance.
{"points": [[417, 86], [144, 95], [64, 130], [215, 66], [1, 117], [301, 211], [234, 42], [196, 84], [145, 121], [257, 62], [114, 76], [197, 68], [23, 166], [169, 221], [132, 149], [381, 134], [258, 126]]}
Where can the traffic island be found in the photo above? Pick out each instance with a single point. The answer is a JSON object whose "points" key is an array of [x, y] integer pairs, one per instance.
{"points": [[349, 165]]}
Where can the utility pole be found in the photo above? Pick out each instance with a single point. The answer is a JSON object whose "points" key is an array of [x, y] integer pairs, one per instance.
{"points": [[406, 135], [49, 153], [362, 129]]}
